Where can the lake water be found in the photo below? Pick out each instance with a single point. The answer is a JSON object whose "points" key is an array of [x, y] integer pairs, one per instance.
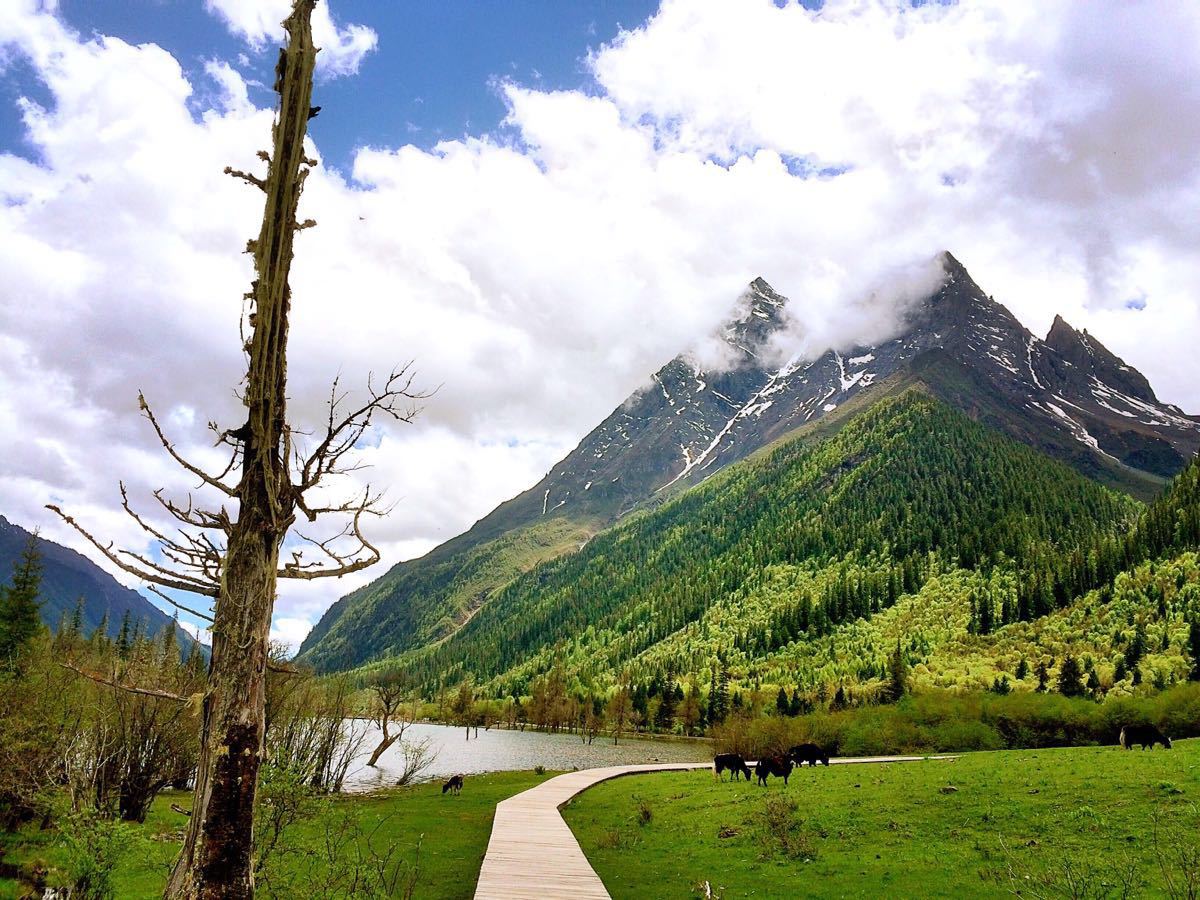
{"points": [[504, 750]]}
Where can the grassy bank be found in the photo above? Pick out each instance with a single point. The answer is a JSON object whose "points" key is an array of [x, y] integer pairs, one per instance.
{"points": [[1029, 818], [452, 833]]}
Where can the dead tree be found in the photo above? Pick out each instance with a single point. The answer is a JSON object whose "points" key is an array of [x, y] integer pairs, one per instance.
{"points": [[234, 557], [387, 708]]}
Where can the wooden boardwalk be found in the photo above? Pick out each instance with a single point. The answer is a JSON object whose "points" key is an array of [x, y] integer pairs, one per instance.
{"points": [[532, 854]]}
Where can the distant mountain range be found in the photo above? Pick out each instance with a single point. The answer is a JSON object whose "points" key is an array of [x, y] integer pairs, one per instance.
{"points": [[1067, 397], [68, 577]]}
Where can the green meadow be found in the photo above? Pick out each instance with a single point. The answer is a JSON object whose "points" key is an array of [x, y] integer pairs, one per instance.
{"points": [[1079, 822]]}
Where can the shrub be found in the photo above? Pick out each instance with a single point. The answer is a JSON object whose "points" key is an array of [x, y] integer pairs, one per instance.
{"points": [[95, 845], [781, 831]]}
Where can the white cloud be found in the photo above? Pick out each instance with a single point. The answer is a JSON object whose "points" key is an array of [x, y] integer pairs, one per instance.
{"points": [[540, 274], [258, 22]]}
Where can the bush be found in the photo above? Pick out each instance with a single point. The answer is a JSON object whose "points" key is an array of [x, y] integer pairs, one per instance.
{"points": [[938, 721], [781, 831], [94, 846]]}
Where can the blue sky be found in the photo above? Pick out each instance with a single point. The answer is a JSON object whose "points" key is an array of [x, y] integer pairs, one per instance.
{"points": [[430, 78]]}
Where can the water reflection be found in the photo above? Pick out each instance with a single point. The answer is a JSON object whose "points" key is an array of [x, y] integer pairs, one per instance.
{"points": [[503, 750]]}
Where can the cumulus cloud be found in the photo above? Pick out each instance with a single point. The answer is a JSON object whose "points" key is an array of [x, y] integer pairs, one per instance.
{"points": [[536, 275], [258, 22]]}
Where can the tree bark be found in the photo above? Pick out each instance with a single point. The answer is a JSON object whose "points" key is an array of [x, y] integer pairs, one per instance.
{"points": [[217, 856]]}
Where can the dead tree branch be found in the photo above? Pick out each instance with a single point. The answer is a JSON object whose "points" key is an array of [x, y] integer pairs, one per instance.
{"points": [[179, 606], [210, 480], [128, 688], [343, 563], [246, 177], [160, 576]]}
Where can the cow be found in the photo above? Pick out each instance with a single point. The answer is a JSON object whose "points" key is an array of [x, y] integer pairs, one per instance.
{"points": [[1146, 735], [455, 784], [779, 766], [731, 762], [808, 753]]}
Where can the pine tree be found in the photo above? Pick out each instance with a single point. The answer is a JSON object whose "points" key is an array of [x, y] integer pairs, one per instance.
{"points": [[125, 638], [20, 609], [1043, 676], [985, 614], [897, 674], [1093, 683], [1137, 647], [1121, 671], [1194, 649], [1068, 677], [75, 626], [1022, 669], [782, 706]]}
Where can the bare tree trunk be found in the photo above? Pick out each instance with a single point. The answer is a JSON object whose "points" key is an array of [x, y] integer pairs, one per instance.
{"points": [[383, 745], [217, 856]]}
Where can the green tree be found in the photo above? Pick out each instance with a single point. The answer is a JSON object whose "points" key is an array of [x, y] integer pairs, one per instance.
{"points": [[20, 609], [897, 674], [1194, 649], [781, 703], [1068, 677], [1043, 676], [1022, 669], [1137, 647]]}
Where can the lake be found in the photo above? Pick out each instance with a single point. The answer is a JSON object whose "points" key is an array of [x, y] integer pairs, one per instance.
{"points": [[504, 750]]}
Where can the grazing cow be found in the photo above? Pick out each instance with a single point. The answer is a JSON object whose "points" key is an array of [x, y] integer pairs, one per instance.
{"points": [[1146, 735], [779, 766], [808, 753], [731, 762], [454, 784]]}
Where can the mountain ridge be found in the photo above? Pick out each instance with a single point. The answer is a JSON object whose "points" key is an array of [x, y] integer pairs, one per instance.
{"points": [[1067, 396], [68, 575]]}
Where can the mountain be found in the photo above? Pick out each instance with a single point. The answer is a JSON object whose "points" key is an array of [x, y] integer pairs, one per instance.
{"points": [[1067, 396], [68, 576], [816, 532]]}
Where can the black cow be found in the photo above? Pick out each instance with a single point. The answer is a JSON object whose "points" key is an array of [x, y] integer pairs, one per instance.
{"points": [[808, 753], [454, 784], [779, 766], [732, 763], [1146, 735]]}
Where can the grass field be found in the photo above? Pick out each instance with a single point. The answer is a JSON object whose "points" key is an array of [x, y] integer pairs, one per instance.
{"points": [[1038, 821], [452, 831]]}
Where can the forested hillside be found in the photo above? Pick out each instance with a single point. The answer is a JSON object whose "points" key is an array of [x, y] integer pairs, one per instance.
{"points": [[814, 534], [73, 587]]}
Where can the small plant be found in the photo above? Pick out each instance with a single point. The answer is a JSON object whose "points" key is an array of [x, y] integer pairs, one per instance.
{"points": [[615, 839], [644, 812], [539, 770], [1075, 879], [783, 833], [95, 845], [1177, 852]]}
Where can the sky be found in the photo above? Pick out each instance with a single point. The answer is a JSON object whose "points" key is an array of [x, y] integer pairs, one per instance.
{"points": [[537, 204]]}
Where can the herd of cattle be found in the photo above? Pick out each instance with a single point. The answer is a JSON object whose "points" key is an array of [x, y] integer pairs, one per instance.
{"points": [[781, 765], [778, 765]]}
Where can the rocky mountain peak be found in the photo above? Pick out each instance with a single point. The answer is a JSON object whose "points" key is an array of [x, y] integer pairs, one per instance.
{"points": [[1091, 359]]}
